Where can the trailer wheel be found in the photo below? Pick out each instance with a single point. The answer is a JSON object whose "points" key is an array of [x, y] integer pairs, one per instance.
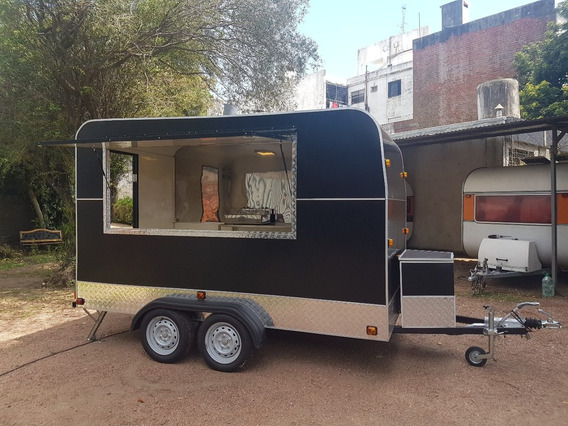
{"points": [[224, 342], [167, 335], [472, 356]]}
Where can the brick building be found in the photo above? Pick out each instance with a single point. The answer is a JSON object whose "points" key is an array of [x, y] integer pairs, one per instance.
{"points": [[450, 64]]}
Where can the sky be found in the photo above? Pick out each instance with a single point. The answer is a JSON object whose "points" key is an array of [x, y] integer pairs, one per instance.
{"points": [[341, 27]]}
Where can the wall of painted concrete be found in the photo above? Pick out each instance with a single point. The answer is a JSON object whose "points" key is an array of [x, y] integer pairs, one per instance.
{"points": [[436, 173], [310, 92], [395, 50], [384, 109]]}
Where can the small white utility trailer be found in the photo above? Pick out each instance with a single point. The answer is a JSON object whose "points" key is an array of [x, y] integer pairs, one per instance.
{"points": [[240, 224]]}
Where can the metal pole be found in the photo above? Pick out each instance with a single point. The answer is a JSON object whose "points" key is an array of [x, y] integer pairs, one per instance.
{"points": [[554, 208]]}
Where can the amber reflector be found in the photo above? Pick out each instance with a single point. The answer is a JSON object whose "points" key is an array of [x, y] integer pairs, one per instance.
{"points": [[372, 330], [468, 207]]}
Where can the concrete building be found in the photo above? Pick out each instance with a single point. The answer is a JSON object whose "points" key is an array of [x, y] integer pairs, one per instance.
{"points": [[449, 65], [316, 91], [418, 80], [384, 86]]}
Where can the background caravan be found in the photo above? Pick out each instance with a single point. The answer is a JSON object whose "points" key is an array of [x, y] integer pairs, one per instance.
{"points": [[515, 202]]}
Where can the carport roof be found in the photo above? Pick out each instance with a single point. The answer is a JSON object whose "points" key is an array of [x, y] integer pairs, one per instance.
{"points": [[481, 129]]}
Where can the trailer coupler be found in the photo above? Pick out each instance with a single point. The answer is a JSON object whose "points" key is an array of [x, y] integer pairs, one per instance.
{"points": [[512, 323]]}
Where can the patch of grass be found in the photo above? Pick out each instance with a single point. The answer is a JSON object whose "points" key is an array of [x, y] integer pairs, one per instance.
{"points": [[21, 260], [41, 258], [7, 264]]}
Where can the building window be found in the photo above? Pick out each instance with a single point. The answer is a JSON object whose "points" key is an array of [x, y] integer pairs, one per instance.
{"points": [[374, 89], [358, 96], [394, 88]]}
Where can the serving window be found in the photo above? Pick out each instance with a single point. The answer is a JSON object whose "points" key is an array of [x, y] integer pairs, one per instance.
{"points": [[234, 186]]}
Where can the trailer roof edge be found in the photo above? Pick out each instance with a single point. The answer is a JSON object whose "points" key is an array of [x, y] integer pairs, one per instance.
{"points": [[280, 133]]}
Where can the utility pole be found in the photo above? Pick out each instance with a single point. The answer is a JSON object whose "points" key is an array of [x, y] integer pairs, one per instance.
{"points": [[366, 88]]}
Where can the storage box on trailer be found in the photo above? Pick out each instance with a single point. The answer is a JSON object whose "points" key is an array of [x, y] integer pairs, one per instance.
{"points": [[427, 289]]}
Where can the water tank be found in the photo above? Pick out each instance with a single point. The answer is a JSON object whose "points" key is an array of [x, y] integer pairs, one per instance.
{"points": [[498, 98]]}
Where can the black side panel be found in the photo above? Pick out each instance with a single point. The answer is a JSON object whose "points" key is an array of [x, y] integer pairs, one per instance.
{"points": [[427, 279], [339, 157], [339, 255], [89, 173]]}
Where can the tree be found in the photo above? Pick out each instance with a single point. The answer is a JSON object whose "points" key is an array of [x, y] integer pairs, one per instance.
{"points": [[63, 62], [542, 69]]}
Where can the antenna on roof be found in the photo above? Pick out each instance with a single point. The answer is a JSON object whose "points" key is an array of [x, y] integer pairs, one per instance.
{"points": [[403, 18]]}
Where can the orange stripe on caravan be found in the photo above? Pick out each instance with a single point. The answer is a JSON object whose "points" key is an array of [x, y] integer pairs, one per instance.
{"points": [[468, 207], [563, 208]]}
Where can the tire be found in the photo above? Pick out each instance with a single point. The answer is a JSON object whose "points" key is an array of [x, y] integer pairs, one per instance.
{"points": [[224, 342], [472, 356], [167, 335]]}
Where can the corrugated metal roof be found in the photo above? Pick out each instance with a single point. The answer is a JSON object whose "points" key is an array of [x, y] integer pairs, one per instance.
{"points": [[481, 129]]}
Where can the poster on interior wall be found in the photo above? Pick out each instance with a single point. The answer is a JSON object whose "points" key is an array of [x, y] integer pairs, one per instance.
{"points": [[210, 194]]}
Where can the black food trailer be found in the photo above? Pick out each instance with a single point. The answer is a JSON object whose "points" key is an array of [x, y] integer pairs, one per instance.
{"points": [[223, 227]]}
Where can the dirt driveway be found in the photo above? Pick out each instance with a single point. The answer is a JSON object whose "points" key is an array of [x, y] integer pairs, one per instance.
{"points": [[49, 374]]}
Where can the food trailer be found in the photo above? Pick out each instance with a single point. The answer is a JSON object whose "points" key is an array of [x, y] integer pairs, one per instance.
{"points": [[238, 224]]}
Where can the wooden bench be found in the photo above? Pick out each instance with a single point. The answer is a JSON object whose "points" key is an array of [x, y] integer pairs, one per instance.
{"points": [[40, 237]]}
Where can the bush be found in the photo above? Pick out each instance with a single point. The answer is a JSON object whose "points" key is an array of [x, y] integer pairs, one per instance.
{"points": [[122, 211], [7, 252]]}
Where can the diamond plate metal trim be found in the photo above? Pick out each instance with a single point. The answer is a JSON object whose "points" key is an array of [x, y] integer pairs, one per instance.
{"points": [[345, 319], [428, 311]]}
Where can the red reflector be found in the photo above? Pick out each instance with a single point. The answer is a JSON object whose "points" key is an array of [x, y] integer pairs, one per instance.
{"points": [[201, 295], [80, 301]]}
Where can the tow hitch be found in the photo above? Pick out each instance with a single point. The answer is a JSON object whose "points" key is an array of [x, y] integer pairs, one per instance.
{"points": [[512, 323]]}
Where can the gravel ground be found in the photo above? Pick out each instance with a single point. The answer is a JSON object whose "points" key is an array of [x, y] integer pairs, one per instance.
{"points": [[49, 374]]}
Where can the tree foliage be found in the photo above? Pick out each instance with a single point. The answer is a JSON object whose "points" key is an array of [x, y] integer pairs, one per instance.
{"points": [[63, 62], [542, 69]]}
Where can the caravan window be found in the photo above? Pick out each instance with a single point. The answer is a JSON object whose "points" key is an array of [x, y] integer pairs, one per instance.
{"points": [[512, 208], [234, 186]]}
